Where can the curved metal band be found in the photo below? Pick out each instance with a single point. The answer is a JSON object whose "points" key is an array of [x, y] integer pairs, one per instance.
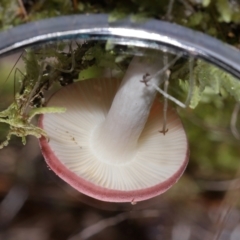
{"points": [[155, 31]]}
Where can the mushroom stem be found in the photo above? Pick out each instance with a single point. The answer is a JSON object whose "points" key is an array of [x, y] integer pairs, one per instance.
{"points": [[129, 111]]}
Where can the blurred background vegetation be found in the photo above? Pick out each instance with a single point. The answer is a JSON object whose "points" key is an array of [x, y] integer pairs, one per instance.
{"points": [[219, 18], [35, 204]]}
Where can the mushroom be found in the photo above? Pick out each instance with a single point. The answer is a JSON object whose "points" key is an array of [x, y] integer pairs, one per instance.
{"points": [[107, 144]]}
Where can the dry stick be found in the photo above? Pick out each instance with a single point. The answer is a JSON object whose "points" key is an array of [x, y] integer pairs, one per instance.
{"points": [[112, 221], [166, 95], [233, 122], [75, 5], [165, 105], [23, 9], [191, 82], [160, 72], [164, 69], [169, 10]]}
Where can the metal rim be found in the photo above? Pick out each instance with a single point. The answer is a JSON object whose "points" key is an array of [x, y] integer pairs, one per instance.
{"points": [[90, 25]]}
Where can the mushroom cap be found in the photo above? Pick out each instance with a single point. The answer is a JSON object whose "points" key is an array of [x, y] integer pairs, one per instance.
{"points": [[70, 152]]}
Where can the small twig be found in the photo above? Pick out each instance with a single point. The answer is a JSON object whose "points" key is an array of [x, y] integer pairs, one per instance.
{"points": [[233, 122], [164, 69], [146, 80], [75, 5], [173, 99], [165, 105], [169, 10], [23, 9]]}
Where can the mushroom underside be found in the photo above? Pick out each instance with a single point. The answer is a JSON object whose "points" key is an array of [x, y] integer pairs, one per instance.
{"points": [[73, 153]]}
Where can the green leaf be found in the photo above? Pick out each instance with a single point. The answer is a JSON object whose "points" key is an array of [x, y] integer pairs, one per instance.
{"points": [[225, 10], [206, 3], [217, 79], [211, 84]]}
